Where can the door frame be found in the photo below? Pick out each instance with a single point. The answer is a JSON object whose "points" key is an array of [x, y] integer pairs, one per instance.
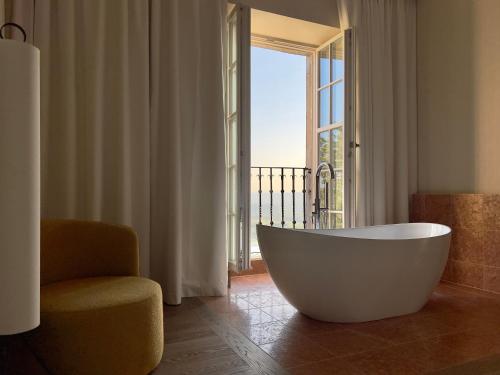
{"points": [[241, 16], [245, 133]]}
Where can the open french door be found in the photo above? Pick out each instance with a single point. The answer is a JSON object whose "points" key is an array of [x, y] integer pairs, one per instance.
{"points": [[238, 138], [334, 131]]}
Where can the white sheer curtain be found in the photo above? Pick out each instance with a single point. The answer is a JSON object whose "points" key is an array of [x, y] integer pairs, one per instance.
{"points": [[188, 250], [95, 111], [386, 106], [133, 127], [2, 12]]}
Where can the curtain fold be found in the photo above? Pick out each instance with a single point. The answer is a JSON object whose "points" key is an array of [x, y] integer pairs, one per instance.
{"points": [[188, 154], [133, 127], [386, 106], [95, 112], [2, 12]]}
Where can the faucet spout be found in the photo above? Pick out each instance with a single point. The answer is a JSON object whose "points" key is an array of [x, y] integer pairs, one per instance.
{"points": [[323, 165], [317, 207]]}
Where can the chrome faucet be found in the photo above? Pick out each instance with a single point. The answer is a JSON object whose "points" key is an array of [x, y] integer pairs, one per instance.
{"points": [[317, 206]]}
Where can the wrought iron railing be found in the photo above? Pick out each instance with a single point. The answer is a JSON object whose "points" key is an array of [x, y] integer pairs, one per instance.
{"points": [[291, 180]]}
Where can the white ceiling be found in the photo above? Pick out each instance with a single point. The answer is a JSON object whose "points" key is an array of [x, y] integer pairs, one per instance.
{"points": [[292, 29]]}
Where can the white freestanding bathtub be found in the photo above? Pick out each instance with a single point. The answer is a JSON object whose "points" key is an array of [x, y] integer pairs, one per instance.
{"points": [[359, 274]]}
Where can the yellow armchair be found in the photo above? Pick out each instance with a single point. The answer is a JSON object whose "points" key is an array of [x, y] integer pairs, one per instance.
{"points": [[73, 249], [97, 315]]}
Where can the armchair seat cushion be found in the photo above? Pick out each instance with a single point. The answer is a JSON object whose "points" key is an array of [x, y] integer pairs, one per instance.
{"points": [[100, 325]]}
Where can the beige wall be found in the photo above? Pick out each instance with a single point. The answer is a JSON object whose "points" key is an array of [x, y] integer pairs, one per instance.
{"points": [[459, 95], [320, 11]]}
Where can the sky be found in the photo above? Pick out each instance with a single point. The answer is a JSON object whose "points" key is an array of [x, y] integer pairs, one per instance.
{"points": [[278, 111], [278, 115]]}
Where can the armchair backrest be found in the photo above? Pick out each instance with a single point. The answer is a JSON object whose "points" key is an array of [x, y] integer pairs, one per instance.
{"points": [[72, 249]]}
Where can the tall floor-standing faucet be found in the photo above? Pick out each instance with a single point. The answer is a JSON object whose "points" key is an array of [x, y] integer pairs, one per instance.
{"points": [[317, 206]]}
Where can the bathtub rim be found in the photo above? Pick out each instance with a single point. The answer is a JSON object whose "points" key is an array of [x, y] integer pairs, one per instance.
{"points": [[315, 232]]}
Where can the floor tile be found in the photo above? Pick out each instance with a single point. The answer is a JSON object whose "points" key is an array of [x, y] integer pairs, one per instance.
{"points": [[222, 363], [266, 299], [227, 304], [442, 301], [407, 328], [204, 347], [295, 350], [425, 356], [394, 360], [337, 366], [467, 345], [302, 324], [485, 366], [344, 342], [281, 312], [474, 321], [248, 317], [265, 332], [176, 332]]}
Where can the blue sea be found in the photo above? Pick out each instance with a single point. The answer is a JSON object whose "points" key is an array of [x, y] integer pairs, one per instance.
{"points": [[266, 213]]}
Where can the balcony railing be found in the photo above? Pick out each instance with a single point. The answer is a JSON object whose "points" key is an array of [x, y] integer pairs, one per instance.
{"points": [[290, 185]]}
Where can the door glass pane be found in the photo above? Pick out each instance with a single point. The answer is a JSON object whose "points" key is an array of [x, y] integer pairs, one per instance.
{"points": [[324, 182], [229, 236], [324, 67], [337, 55], [233, 36], [233, 90], [233, 202], [335, 220], [336, 192], [233, 142], [324, 147], [324, 107], [338, 102], [234, 239], [337, 148]]}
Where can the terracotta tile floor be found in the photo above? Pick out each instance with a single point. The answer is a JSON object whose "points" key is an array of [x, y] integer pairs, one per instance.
{"points": [[456, 327]]}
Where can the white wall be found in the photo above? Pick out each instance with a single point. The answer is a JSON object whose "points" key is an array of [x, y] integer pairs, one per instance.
{"points": [[320, 11], [292, 29], [458, 48]]}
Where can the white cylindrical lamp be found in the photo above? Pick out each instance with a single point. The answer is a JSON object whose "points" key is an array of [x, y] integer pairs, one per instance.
{"points": [[19, 186]]}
